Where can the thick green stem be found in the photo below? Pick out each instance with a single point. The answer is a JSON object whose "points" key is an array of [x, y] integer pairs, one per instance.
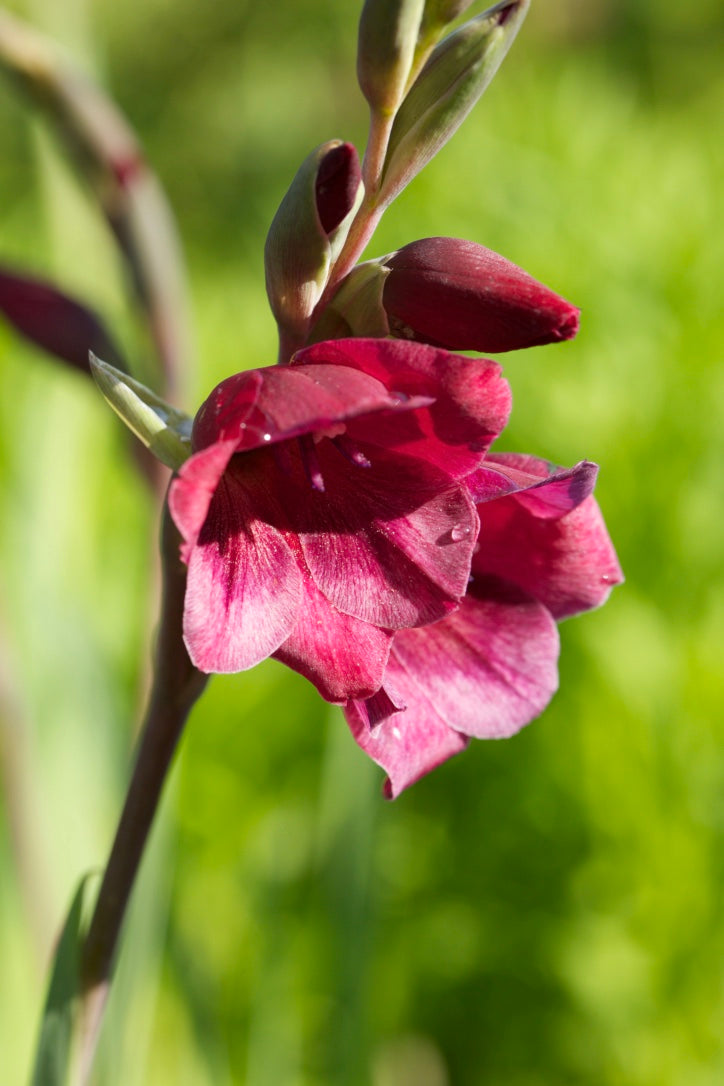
{"points": [[176, 686]]}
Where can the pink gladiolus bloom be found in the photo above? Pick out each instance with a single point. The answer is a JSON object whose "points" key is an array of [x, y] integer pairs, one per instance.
{"points": [[489, 668], [462, 296], [324, 508]]}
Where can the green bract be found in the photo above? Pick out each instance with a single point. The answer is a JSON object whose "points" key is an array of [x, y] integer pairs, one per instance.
{"points": [[356, 309], [449, 85], [162, 428]]}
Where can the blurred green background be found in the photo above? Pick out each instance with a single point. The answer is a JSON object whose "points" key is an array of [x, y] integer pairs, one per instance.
{"points": [[545, 910]]}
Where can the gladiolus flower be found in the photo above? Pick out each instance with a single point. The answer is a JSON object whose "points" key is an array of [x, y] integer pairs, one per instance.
{"points": [[489, 668], [323, 507]]}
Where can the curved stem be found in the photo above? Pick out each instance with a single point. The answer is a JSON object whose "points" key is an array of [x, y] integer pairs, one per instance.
{"points": [[374, 158], [176, 686]]}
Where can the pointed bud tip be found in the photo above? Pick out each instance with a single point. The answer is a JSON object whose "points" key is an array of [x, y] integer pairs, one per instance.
{"points": [[505, 12], [570, 324]]}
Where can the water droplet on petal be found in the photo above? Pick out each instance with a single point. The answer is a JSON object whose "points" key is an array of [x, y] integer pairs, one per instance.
{"points": [[266, 437], [397, 733], [459, 532]]}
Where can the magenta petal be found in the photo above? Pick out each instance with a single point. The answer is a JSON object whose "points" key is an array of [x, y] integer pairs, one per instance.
{"points": [[244, 584], [193, 488], [567, 562], [550, 491], [470, 400], [543, 488], [343, 657], [258, 408], [489, 668], [393, 549], [407, 745], [485, 671]]}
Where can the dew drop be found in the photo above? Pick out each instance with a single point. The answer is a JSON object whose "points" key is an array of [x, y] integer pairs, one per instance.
{"points": [[266, 437], [397, 733], [459, 532]]}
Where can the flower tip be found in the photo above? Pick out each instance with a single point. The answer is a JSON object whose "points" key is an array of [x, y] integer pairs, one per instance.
{"points": [[569, 325], [506, 11]]}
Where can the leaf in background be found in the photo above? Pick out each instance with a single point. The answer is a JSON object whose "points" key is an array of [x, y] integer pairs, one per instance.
{"points": [[53, 1052], [54, 321]]}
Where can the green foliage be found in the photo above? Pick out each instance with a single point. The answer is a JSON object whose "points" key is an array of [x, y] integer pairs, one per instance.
{"points": [[538, 911], [53, 1052]]}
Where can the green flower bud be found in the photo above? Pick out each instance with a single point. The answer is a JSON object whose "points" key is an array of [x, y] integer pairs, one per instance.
{"points": [[356, 309], [449, 85], [388, 32], [308, 230], [162, 428], [439, 13]]}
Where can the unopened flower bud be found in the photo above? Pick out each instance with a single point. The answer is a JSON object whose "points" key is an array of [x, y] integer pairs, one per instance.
{"points": [[53, 321], [308, 230], [456, 74], [388, 32], [458, 295]]}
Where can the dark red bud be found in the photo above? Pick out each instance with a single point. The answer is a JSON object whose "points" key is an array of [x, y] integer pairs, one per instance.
{"points": [[458, 295], [53, 321], [337, 183]]}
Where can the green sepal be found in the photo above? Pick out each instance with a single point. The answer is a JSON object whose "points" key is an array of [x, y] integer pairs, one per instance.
{"points": [[164, 430], [453, 79], [298, 252], [356, 309]]}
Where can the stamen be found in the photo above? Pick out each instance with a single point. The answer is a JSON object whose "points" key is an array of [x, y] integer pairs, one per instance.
{"points": [[311, 463], [351, 451], [282, 453]]}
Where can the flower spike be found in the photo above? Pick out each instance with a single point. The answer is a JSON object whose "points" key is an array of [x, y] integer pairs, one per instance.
{"points": [[451, 82]]}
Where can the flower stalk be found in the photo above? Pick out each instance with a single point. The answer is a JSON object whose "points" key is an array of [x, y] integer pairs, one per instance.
{"points": [[176, 686]]}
